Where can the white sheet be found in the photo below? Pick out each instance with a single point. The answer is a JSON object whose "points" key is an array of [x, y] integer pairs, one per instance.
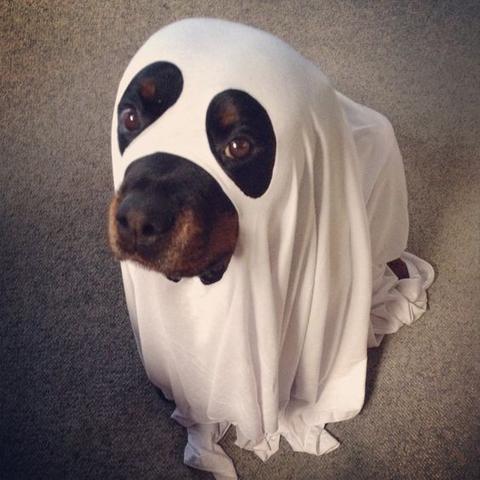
{"points": [[278, 347]]}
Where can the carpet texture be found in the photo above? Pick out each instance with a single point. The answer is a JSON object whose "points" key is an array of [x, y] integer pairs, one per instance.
{"points": [[75, 402]]}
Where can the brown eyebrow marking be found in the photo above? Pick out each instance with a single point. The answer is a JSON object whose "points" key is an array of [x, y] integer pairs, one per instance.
{"points": [[228, 115], [147, 88]]}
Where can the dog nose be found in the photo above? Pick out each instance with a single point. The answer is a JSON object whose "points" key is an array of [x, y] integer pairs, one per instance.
{"points": [[141, 220]]}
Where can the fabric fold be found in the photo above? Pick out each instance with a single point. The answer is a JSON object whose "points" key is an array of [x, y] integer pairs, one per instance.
{"points": [[203, 452], [399, 302]]}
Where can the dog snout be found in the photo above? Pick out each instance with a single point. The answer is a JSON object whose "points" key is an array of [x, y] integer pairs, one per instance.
{"points": [[171, 216], [141, 220]]}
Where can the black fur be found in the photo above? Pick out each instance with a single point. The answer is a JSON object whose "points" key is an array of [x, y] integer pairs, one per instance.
{"points": [[253, 173], [151, 92], [168, 184]]}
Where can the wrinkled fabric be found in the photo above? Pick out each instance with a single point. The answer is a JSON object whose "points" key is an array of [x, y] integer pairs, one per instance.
{"points": [[278, 346]]}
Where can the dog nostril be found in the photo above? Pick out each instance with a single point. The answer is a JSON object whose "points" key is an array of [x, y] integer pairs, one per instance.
{"points": [[148, 230], [135, 219], [122, 221]]}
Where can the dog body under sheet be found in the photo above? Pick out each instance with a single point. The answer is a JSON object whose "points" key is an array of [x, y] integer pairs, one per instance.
{"points": [[278, 346]]}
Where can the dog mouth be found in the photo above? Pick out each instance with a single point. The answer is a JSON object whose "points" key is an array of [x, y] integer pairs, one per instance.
{"points": [[194, 240]]}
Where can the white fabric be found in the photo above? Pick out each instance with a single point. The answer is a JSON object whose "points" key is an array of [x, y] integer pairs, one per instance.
{"points": [[279, 345]]}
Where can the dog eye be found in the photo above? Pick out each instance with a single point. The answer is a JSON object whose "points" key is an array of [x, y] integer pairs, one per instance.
{"points": [[130, 119], [238, 148]]}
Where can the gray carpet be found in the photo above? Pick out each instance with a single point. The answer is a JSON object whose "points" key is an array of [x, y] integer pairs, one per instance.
{"points": [[75, 402]]}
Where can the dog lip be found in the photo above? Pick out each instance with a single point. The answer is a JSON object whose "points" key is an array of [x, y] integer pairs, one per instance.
{"points": [[174, 278]]}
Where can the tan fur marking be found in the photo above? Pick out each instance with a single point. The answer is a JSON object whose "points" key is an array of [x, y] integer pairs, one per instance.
{"points": [[148, 88], [112, 228], [228, 115], [186, 246], [224, 235], [189, 255]]}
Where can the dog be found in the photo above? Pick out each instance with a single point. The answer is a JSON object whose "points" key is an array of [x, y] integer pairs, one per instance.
{"points": [[260, 219]]}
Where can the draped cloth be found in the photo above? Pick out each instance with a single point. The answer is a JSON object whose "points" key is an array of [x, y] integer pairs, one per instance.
{"points": [[277, 347]]}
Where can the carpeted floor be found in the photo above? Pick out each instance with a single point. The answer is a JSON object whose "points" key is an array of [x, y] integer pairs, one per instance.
{"points": [[75, 402]]}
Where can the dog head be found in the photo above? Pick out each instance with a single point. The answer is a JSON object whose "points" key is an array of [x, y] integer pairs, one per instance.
{"points": [[208, 144], [169, 214]]}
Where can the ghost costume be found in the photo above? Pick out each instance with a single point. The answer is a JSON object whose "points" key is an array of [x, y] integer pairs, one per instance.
{"points": [[277, 347]]}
